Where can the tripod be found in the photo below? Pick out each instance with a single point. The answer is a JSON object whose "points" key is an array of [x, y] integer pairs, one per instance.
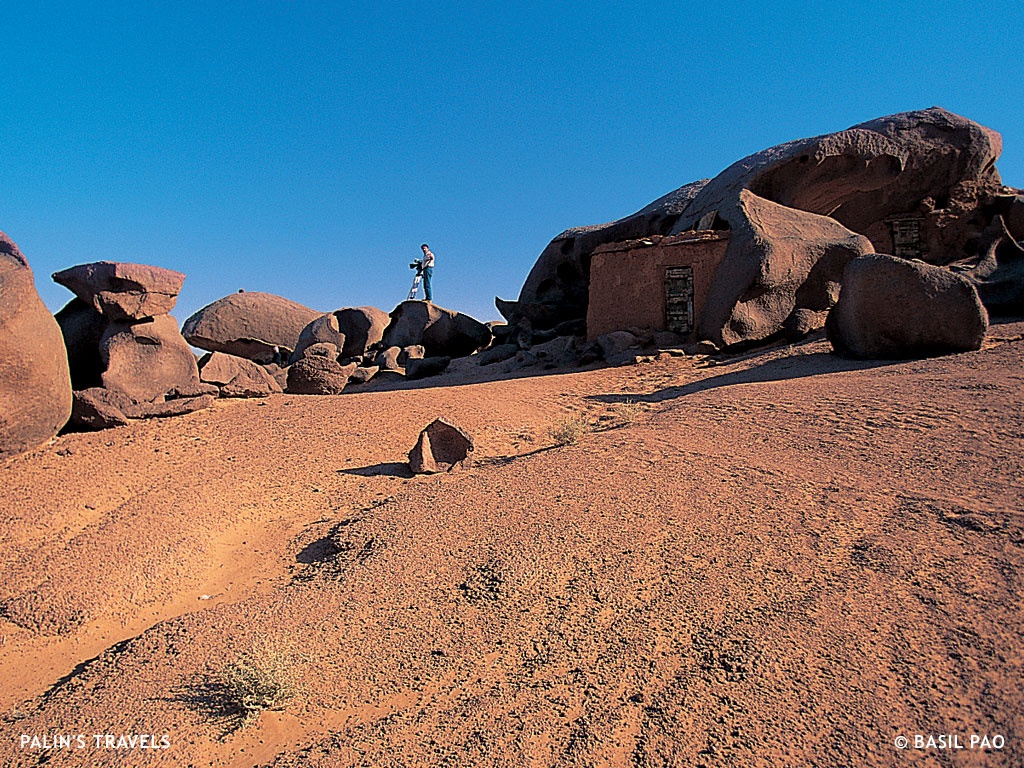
{"points": [[415, 285], [418, 266]]}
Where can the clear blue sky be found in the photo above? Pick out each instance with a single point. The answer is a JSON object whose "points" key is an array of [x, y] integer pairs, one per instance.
{"points": [[308, 148]]}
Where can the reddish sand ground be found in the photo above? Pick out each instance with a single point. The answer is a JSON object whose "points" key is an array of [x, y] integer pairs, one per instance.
{"points": [[784, 559]]}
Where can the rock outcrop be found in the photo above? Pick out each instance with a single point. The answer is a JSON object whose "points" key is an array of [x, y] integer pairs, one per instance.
{"points": [[35, 382], [146, 359], [441, 447], [125, 363], [121, 291], [249, 325], [780, 260], [891, 308], [920, 184], [353, 329], [441, 332]]}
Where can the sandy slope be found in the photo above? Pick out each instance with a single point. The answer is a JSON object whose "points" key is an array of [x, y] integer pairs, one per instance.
{"points": [[784, 559]]}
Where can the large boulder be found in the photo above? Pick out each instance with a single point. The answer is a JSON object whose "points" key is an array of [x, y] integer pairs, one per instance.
{"points": [[353, 329], [147, 359], [928, 164], [237, 376], [441, 332], [35, 382], [780, 260], [82, 328], [120, 291], [316, 375], [441, 447], [895, 308], [250, 325]]}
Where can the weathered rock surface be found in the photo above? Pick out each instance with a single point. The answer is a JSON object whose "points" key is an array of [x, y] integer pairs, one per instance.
{"points": [[147, 359], [121, 291], [249, 325], [614, 343], [441, 447], [98, 408], [497, 353], [35, 382], [169, 408], [321, 349], [353, 329], [82, 328], [363, 374], [894, 308], [388, 359], [237, 376], [778, 260], [323, 330], [442, 332], [998, 275], [317, 375]]}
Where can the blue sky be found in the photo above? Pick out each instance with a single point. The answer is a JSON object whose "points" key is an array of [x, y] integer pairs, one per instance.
{"points": [[308, 148]]}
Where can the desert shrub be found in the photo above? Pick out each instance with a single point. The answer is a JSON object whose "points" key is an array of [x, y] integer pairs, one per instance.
{"points": [[628, 410], [569, 430], [262, 678]]}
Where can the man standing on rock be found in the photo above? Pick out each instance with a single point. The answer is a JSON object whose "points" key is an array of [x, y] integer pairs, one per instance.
{"points": [[428, 271]]}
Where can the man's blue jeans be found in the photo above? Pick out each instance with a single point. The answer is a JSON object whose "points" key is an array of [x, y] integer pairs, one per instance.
{"points": [[428, 272]]}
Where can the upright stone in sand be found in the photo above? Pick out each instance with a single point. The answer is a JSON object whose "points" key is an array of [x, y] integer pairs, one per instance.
{"points": [[35, 383], [441, 447]]}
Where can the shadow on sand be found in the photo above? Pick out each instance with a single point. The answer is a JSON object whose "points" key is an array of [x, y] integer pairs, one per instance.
{"points": [[791, 367], [386, 469]]}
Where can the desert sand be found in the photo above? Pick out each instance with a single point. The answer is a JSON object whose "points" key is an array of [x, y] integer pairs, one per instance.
{"points": [[780, 558]]}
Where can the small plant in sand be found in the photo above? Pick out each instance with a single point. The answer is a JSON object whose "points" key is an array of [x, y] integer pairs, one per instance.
{"points": [[569, 430], [629, 410], [262, 678]]}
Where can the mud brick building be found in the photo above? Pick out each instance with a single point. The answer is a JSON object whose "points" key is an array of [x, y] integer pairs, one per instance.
{"points": [[656, 282]]}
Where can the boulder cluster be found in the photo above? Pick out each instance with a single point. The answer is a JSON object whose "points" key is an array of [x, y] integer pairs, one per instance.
{"points": [[896, 235], [307, 353]]}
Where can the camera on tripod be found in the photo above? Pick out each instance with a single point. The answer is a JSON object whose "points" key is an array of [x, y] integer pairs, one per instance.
{"points": [[418, 266]]}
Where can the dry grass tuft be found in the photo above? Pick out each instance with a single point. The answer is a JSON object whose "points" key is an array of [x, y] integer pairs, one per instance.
{"points": [[569, 430]]}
